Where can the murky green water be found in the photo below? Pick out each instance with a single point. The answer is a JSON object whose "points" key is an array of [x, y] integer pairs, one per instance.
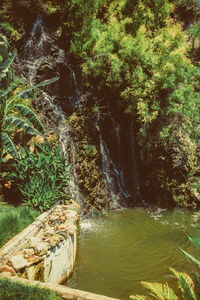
{"points": [[123, 248]]}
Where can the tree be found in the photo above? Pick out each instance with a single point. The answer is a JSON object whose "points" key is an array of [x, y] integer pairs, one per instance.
{"points": [[139, 53]]}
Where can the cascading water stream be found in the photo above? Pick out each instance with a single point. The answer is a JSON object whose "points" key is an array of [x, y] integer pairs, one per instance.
{"points": [[110, 172], [35, 54], [107, 164], [119, 168], [66, 142], [34, 49], [75, 94], [134, 173], [41, 51]]}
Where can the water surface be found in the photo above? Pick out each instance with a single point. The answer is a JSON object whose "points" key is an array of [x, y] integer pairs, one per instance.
{"points": [[119, 250]]}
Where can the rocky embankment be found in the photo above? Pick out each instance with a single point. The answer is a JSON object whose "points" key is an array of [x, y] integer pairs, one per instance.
{"points": [[28, 254]]}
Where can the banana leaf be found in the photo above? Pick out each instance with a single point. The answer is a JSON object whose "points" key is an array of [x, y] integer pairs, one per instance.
{"points": [[4, 66], [31, 116], [19, 123], [9, 145], [41, 84]]}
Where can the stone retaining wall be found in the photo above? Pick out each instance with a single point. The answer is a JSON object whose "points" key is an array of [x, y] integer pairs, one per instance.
{"points": [[45, 250]]}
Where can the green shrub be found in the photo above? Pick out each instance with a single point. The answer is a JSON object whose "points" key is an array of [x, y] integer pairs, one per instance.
{"points": [[42, 176]]}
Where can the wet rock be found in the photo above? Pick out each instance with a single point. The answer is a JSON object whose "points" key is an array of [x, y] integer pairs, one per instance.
{"points": [[71, 229], [34, 259], [29, 251], [63, 226], [63, 233], [54, 240], [34, 241], [30, 273], [53, 218], [50, 232], [47, 227], [59, 213], [62, 218], [72, 215], [62, 237], [18, 262], [70, 222], [41, 249], [7, 269]]}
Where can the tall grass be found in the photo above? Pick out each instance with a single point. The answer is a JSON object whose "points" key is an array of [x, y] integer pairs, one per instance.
{"points": [[13, 220], [10, 290]]}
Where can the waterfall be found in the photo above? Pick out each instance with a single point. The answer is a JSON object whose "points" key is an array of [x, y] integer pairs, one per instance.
{"points": [[37, 50], [119, 168], [107, 166], [34, 50], [41, 51], [134, 173]]}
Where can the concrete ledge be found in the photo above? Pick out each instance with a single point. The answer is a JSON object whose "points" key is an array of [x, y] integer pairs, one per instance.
{"points": [[19, 241], [46, 249], [66, 292]]}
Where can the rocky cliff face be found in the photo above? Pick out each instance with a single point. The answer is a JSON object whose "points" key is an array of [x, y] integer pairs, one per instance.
{"points": [[109, 169]]}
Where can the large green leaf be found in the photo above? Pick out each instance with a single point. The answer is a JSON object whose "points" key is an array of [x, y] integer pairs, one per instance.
{"points": [[186, 285], [160, 291], [193, 259], [3, 47], [9, 145], [20, 123], [31, 116], [41, 84], [195, 241], [4, 66]]}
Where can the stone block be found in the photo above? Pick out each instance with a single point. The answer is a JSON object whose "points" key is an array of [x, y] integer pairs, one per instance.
{"points": [[18, 262], [29, 251], [41, 248], [34, 241]]}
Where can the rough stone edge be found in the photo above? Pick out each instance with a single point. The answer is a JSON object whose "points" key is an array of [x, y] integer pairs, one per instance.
{"points": [[66, 292], [16, 243]]}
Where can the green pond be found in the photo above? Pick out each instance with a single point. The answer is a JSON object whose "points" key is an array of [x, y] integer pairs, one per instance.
{"points": [[121, 249]]}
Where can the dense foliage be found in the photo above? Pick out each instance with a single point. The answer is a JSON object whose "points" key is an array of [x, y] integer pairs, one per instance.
{"points": [[139, 50], [146, 53], [41, 176]]}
